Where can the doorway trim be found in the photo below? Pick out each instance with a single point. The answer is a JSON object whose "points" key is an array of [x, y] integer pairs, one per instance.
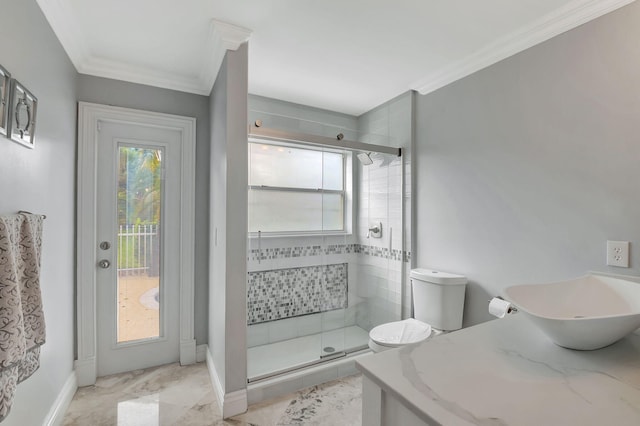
{"points": [[89, 117]]}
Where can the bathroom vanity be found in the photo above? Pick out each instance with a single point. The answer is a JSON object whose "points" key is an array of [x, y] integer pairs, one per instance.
{"points": [[503, 372]]}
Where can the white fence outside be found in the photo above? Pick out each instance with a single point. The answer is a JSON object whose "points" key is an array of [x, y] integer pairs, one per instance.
{"points": [[138, 250]]}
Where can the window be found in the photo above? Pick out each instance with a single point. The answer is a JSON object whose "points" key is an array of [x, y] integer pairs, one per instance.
{"points": [[295, 190]]}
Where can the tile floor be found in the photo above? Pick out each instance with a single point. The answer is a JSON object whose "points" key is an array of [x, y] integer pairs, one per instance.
{"points": [[175, 395]]}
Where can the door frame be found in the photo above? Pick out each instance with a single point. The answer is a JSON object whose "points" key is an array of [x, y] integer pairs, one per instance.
{"points": [[89, 117]]}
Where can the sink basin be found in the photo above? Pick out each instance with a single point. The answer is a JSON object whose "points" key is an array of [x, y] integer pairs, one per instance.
{"points": [[585, 313]]}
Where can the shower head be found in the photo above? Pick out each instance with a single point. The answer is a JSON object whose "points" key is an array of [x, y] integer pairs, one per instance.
{"points": [[365, 158]]}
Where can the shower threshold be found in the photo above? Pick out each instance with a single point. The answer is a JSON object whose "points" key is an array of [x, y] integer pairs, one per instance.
{"points": [[273, 359]]}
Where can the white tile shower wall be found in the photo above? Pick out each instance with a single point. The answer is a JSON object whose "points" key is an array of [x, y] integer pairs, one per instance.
{"points": [[308, 324], [376, 270], [277, 331], [381, 291], [394, 120], [283, 330], [294, 252], [381, 261]]}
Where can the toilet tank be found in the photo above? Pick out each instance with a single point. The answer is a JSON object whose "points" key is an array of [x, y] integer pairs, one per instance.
{"points": [[438, 298]]}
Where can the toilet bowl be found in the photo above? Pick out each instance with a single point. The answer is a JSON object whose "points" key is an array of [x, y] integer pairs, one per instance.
{"points": [[438, 301]]}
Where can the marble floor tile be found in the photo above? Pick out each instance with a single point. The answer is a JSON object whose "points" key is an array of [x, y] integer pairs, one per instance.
{"points": [[175, 395], [338, 402]]}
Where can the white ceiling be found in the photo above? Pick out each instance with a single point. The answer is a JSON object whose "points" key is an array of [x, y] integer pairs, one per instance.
{"points": [[342, 55]]}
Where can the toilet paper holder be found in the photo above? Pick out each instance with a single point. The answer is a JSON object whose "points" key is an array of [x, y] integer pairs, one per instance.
{"points": [[511, 310]]}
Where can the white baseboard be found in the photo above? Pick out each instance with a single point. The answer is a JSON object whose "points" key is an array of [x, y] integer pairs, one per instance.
{"points": [[215, 380], [86, 371], [60, 405], [232, 403], [235, 403], [188, 352], [201, 353]]}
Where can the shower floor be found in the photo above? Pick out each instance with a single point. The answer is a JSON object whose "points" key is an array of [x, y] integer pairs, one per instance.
{"points": [[274, 358]]}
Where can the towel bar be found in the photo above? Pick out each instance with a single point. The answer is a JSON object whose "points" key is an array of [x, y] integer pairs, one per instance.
{"points": [[44, 216]]}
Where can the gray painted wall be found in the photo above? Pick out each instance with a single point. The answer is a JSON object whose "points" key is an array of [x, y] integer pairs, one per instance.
{"points": [[130, 95], [525, 169], [42, 181], [228, 211], [218, 218]]}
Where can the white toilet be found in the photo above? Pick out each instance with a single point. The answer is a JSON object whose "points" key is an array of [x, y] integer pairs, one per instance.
{"points": [[438, 303]]}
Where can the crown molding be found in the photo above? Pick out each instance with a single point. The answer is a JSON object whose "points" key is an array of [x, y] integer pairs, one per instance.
{"points": [[559, 21], [116, 70], [222, 37], [231, 36]]}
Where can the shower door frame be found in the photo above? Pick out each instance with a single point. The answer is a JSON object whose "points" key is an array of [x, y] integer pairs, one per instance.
{"points": [[319, 141]]}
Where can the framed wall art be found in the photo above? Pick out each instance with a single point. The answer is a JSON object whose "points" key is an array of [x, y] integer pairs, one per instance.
{"points": [[22, 115], [5, 91]]}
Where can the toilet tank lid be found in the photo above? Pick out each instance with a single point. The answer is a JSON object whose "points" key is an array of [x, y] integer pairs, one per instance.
{"points": [[437, 277]]}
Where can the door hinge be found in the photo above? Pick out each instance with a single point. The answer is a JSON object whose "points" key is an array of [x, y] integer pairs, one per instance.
{"points": [[99, 126]]}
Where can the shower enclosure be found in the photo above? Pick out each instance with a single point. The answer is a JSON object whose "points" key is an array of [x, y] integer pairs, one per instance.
{"points": [[325, 243]]}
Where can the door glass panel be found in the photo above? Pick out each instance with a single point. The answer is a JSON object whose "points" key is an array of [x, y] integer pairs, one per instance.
{"points": [[139, 204]]}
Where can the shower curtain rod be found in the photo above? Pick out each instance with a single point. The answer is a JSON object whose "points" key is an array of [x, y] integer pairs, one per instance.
{"points": [[282, 136]]}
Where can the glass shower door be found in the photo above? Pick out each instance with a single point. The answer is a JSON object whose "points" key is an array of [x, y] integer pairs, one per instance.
{"points": [[338, 238], [316, 284]]}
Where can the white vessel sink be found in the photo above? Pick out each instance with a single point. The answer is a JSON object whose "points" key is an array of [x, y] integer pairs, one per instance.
{"points": [[585, 313]]}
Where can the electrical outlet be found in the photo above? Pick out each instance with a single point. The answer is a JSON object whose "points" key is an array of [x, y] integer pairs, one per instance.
{"points": [[618, 253]]}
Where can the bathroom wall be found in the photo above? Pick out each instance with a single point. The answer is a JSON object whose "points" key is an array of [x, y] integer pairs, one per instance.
{"points": [[380, 199], [42, 181], [137, 96], [228, 230], [527, 168]]}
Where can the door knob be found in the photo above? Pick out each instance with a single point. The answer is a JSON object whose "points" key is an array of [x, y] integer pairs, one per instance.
{"points": [[104, 264], [105, 245]]}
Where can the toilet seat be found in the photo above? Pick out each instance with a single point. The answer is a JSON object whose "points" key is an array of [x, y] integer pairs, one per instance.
{"points": [[399, 333]]}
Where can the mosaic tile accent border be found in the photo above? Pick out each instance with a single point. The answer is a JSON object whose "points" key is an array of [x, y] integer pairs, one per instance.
{"points": [[293, 252], [384, 253], [290, 252], [292, 292]]}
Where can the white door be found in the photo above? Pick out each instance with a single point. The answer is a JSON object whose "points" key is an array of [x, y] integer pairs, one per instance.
{"points": [[138, 233]]}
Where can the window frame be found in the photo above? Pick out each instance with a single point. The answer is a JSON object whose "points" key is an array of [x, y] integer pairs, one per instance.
{"points": [[345, 192]]}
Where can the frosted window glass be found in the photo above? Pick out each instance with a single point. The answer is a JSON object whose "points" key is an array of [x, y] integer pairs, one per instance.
{"points": [[332, 171], [332, 212], [302, 171], [285, 211], [285, 167]]}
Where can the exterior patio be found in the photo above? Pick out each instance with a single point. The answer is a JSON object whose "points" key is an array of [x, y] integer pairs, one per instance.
{"points": [[138, 308], [138, 282]]}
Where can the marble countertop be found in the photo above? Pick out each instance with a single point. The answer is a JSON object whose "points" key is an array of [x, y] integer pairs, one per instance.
{"points": [[506, 372]]}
